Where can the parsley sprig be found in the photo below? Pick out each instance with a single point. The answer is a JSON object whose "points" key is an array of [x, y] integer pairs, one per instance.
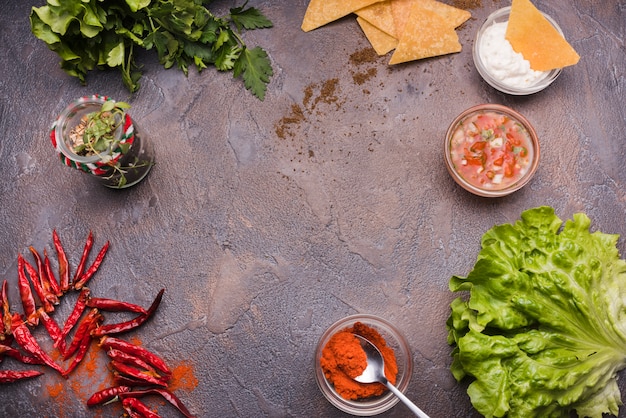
{"points": [[99, 34]]}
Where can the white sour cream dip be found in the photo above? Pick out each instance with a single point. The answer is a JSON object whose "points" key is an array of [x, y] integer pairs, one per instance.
{"points": [[502, 62]]}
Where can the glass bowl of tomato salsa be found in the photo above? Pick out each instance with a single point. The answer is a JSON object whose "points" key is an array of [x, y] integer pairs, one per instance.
{"points": [[491, 150], [393, 339]]}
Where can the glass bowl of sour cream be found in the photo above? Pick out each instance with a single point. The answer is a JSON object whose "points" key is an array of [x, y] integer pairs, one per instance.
{"points": [[503, 68], [491, 150]]}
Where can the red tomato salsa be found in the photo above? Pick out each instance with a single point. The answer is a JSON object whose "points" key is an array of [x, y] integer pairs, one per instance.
{"points": [[490, 150]]}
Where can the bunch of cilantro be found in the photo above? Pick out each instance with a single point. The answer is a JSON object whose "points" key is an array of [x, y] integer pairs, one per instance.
{"points": [[543, 332], [89, 34]]}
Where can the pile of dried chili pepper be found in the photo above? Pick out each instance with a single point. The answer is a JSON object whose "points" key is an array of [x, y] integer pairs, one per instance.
{"points": [[138, 373]]}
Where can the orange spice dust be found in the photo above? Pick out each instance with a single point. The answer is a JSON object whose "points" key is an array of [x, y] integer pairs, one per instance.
{"points": [[343, 359], [183, 377], [90, 376]]}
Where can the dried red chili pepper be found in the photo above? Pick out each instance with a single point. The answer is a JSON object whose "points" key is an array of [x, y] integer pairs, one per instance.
{"points": [[79, 308], [6, 320], [106, 395], [135, 373], [64, 265], [129, 359], [83, 346], [44, 282], [166, 394], [3, 312], [118, 328], [113, 305], [54, 331], [55, 287], [9, 376], [84, 328], [26, 294], [34, 278], [135, 404], [83, 258], [148, 356], [132, 413], [25, 339], [18, 355], [84, 278], [120, 379]]}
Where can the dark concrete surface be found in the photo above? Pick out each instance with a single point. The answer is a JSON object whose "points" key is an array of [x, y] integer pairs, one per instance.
{"points": [[265, 232]]}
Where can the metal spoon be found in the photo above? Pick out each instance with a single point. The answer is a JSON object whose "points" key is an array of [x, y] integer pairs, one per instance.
{"points": [[375, 372]]}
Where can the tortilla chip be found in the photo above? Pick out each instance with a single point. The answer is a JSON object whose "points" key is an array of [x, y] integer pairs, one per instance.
{"points": [[425, 35], [381, 41], [400, 10], [379, 15], [456, 17], [322, 12], [532, 35]]}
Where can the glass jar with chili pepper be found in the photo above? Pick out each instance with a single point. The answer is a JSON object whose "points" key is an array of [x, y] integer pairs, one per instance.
{"points": [[96, 135]]}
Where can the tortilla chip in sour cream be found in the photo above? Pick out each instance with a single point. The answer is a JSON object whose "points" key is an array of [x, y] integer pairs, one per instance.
{"points": [[532, 35]]}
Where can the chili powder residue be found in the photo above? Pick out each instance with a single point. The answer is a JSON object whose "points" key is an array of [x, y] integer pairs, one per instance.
{"points": [[183, 377], [343, 359]]}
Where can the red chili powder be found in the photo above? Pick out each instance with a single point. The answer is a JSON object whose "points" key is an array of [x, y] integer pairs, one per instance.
{"points": [[183, 377], [343, 359]]}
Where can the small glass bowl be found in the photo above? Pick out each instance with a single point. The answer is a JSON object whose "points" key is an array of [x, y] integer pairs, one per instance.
{"points": [[515, 116], [502, 15], [394, 339]]}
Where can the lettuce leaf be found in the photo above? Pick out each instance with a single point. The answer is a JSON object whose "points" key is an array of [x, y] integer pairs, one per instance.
{"points": [[543, 330]]}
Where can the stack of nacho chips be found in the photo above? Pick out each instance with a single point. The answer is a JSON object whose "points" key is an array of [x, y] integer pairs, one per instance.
{"points": [[415, 29]]}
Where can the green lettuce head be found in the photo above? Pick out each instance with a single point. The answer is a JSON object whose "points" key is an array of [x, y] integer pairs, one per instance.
{"points": [[543, 331]]}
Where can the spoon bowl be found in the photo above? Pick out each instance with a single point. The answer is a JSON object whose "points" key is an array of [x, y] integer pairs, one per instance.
{"points": [[375, 372]]}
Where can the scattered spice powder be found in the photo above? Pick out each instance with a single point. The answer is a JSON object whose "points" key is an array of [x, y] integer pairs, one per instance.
{"points": [[361, 77], [327, 94], [90, 376], [467, 4], [364, 56], [183, 377], [343, 359], [284, 125]]}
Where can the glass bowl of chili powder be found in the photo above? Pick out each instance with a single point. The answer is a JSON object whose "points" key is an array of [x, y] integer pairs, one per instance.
{"points": [[362, 399], [491, 150]]}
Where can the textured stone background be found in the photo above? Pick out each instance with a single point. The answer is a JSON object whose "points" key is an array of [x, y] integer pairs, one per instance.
{"points": [[268, 221]]}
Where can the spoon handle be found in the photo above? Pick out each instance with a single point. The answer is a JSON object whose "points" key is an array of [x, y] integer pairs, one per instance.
{"points": [[406, 401]]}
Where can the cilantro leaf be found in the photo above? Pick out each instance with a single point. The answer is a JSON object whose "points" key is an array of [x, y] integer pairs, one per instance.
{"points": [[256, 68], [249, 18], [98, 34]]}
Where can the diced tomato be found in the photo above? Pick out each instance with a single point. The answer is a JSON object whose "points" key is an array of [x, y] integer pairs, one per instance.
{"points": [[509, 169], [475, 159], [478, 146], [484, 122]]}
